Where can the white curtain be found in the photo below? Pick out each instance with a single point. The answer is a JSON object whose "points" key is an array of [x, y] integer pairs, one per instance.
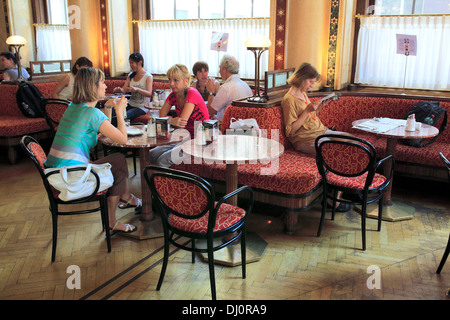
{"points": [[379, 64], [165, 43], [53, 43]]}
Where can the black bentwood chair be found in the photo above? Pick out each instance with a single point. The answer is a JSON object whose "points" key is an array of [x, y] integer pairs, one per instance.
{"points": [[53, 110], [37, 154], [188, 209], [348, 164], [447, 249]]}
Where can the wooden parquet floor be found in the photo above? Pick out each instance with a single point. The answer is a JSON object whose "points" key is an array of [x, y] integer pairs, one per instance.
{"points": [[300, 267]]}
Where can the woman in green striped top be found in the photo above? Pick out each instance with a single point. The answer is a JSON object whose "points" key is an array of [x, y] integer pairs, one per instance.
{"points": [[78, 132]]}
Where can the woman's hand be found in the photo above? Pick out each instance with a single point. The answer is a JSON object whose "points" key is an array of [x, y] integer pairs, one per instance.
{"points": [[313, 106], [210, 85], [119, 105], [178, 122]]}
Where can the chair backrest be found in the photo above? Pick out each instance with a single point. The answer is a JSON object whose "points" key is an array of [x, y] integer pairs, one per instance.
{"points": [[34, 151], [53, 110], [180, 193], [344, 155]]}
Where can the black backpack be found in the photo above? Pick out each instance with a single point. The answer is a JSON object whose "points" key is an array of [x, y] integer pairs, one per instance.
{"points": [[29, 99], [423, 110]]}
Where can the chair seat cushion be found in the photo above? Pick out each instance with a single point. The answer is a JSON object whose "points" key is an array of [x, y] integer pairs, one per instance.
{"points": [[355, 182], [227, 216]]}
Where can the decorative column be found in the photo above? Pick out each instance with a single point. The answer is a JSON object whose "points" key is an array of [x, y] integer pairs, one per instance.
{"points": [[332, 44], [105, 38], [280, 35]]}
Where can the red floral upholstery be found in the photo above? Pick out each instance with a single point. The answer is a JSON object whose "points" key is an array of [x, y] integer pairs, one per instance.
{"points": [[39, 153], [355, 182], [191, 201], [345, 159], [11, 126], [268, 119], [181, 196], [227, 216]]}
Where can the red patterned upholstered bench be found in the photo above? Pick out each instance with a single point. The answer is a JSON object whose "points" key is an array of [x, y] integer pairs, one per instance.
{"points": [[296, 185], [418, 162], [14, 125]]}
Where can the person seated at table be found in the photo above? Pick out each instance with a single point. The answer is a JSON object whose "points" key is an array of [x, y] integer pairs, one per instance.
{"points": [[233, 88], [140, 83], [64, 88], [200, 71], [78, 133], [189, 108], [9, 62], [302, 123]]}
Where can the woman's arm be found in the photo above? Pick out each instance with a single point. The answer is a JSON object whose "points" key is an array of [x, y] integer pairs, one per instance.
{"points": [[297, 124], [118, 134], [182, 120], [63, 82], [125, 87]]}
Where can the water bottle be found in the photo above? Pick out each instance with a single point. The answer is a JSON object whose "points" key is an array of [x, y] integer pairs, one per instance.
{"points": [[429, 120]]}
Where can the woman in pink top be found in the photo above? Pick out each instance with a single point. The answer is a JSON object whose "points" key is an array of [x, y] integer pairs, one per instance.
{"points": [[189, 108]]}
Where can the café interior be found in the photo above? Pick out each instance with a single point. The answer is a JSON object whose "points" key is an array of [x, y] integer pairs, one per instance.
{"points": [[401, 258]]}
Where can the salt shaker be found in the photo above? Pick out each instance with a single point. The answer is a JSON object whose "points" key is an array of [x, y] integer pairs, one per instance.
{"points": [[151, 128], [200, 138], [411, 123]]}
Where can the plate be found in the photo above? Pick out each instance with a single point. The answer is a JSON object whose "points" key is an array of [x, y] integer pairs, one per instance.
{"points": [[134, 131]]}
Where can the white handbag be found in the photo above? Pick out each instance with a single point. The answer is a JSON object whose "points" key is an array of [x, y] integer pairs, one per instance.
{"points": [[244, 126], [74, 185]]}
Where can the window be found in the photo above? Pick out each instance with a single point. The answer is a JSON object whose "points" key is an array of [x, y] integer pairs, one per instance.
{"points": [[382, 62], [208, 9], [403, 7], [181, 32], [53, 39], [57, 12]]}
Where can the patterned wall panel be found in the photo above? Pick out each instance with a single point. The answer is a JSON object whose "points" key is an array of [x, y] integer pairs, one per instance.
{"points": [[334, 22], [105, 38], [280, 35]]}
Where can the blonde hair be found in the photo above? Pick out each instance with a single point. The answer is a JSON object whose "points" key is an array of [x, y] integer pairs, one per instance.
{"points": [[179, 71], [85, 88], [304, 72]]}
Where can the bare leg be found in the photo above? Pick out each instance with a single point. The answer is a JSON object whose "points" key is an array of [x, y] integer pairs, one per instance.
{"points": [[113, 201]]}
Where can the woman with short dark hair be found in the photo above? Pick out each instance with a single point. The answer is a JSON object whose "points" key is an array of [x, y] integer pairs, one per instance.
{"points": [[9, 62]]}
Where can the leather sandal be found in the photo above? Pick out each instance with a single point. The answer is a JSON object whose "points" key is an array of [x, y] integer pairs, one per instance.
{"points": [[126, 204], [128, 229]]}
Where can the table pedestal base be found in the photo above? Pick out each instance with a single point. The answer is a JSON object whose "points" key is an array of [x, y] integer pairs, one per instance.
{"points": [[398, 211], [146, 229], [231, 255]]}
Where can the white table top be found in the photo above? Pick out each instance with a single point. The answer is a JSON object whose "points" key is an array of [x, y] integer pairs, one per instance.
{"points": [[235, 149]]}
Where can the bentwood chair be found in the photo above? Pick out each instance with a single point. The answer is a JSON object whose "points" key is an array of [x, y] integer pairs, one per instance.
{"points": [[187, 206], [34, 150], [53, 110], [447, 249], [349, 165]]}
